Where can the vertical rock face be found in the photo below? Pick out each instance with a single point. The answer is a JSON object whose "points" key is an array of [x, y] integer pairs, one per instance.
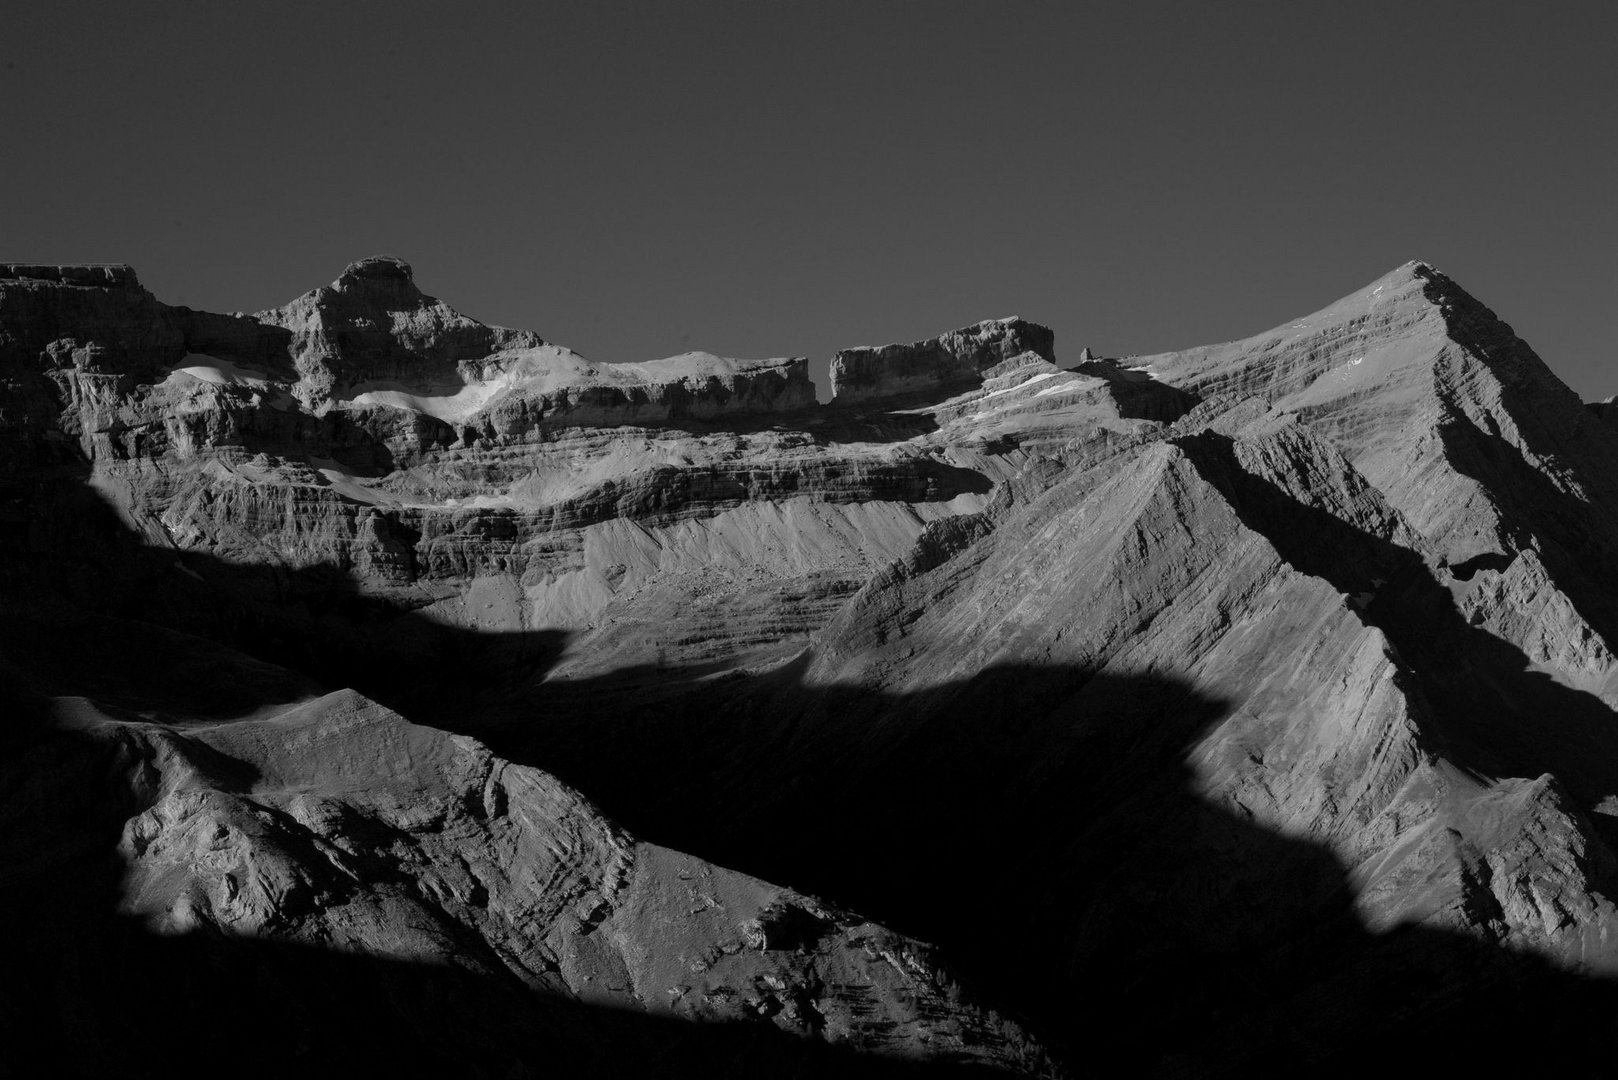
{"points": [[373, 324], [946, 363], [100, 275], [1174, 708]]}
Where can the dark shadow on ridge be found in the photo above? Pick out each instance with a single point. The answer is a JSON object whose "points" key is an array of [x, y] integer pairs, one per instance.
{"points": [[1040, 824], [88, 991], [1496, 714], [1137, 395], [1576, 546]]}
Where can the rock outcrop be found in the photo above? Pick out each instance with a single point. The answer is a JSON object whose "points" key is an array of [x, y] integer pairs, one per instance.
{"points": [[373, 325], [334, 825], [1189, 706], [100, 275], [946, 363]]}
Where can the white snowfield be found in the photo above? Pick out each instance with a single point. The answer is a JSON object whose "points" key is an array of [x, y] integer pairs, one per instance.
{"points": [[211, 369], [1031, 380], [1078, 382]]}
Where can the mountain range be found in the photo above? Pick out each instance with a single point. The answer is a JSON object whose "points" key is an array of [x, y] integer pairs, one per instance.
{"points": [[388, 690]]}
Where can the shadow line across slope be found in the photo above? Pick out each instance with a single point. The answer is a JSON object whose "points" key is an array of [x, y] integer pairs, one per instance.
{"points": [[1038, 823]]}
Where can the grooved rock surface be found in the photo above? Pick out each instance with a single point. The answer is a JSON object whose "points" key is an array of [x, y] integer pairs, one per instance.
{"points": [[1194, 712]]}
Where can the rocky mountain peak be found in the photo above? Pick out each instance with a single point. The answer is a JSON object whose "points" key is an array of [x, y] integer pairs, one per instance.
{"points": [[373, 325], [383, 279], [379, 267]]}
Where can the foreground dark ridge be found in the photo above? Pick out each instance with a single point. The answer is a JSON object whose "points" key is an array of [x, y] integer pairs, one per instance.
{"points": [[1267, 686]]}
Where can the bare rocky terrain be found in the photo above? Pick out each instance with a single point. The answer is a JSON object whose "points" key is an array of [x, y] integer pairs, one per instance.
{"points": [[387, 690]]}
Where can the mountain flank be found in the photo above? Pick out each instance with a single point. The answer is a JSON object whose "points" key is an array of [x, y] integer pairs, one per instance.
{"points": [[453, 698]]}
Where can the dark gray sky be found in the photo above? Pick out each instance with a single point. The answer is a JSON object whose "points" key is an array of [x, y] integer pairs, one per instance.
{"points": [[756, 179]]}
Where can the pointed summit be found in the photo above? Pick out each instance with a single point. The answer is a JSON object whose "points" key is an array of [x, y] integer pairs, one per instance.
{"points": [[1433, 398]]}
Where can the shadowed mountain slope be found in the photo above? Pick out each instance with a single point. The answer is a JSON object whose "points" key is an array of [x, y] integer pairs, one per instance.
{"points": [[1204, 711]]}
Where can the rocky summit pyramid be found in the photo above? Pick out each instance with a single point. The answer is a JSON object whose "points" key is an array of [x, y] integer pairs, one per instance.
{"points": [[387, 690]]}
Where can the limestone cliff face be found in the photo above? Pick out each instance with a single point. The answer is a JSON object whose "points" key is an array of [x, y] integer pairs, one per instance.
{"points": [[1268, 686], [373, 324], [945, 363]]}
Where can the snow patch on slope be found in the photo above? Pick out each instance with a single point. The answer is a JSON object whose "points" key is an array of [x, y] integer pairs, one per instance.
{"points": [[211, 369], [551, 371]]}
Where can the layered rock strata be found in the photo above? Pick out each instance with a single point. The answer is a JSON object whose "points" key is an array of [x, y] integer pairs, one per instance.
{"points": [[940, 364], [1268, 686]]}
